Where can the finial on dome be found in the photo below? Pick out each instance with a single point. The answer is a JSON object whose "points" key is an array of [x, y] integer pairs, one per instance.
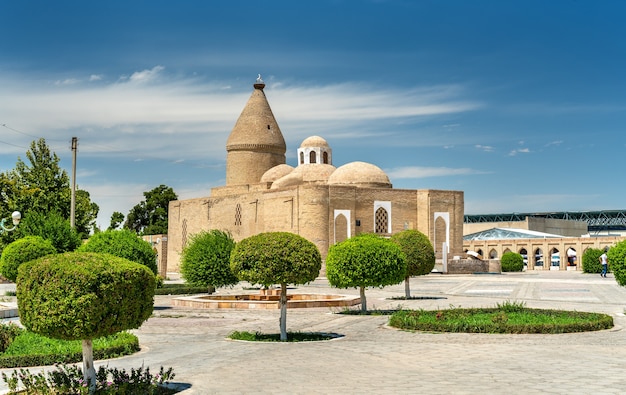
{"points": [[259, 84]]}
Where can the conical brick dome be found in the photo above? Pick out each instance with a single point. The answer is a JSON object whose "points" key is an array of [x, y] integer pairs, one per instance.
{"points": [[256, 143]]}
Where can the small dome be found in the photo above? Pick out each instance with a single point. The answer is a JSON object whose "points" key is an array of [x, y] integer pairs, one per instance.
{"points": [[360, 174], [314, 141], [309, 174], [276, 172]]}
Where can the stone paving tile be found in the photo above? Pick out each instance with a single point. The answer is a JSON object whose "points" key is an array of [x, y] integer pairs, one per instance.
{"points": [[374, 359]]}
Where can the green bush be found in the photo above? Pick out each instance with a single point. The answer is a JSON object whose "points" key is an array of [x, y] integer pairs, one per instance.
{"points": [[23, 250], [364, 261], [617, 262], [77, 296], [591, 260], [124, 244], [512, 262], [205, 261], [276, 258], [7, 334], [418, 252], [51, 226]]}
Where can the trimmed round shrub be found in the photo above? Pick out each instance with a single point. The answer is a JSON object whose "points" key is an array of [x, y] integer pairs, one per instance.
{"points": [[23, 250], [78, 296], [205, 260], [124, 244], [591, 260], [512, 262], [364, 261], [276, 258], [418, 252], [617, 262]]}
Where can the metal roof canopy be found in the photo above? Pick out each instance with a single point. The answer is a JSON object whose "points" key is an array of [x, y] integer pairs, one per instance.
{"points": [[596, 220]]}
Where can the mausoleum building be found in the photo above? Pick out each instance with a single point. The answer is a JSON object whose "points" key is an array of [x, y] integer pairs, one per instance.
{"points": [[316, 199]]}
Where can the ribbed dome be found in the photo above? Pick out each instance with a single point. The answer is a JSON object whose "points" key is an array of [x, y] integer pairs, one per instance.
{"points": [[276, 172], [360, 174], [314, 141], [308, 173]]}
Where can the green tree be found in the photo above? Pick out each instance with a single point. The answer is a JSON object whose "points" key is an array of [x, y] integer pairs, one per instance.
{"points": [[591, 260], [205, 260], [418, 252], [51, 226], [124, 244], [116, 220], [276, 258], [365, 261], [512, 262], [41, 185], [83, 296], [617, 262], [21, 251], [149, 217]]}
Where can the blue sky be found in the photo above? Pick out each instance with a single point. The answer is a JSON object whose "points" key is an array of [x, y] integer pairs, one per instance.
{"points": [[520, 104]]}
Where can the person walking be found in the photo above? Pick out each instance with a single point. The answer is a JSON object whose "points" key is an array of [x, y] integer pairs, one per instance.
{"points": [[604, 260]]}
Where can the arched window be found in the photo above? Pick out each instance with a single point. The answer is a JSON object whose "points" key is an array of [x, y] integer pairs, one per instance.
{"points": [[238, 215], [301, 157], [493, 254], [312, 157], [382, 218], [325, 157]]}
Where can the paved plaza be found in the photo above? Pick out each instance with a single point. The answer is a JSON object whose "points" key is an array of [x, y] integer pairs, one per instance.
{"points": [[372, 358]]}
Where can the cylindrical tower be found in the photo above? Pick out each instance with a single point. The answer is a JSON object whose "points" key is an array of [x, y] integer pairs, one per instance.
{"points": [[255, 144]]}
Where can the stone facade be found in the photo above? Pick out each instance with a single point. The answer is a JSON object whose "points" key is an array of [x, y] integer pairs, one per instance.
{"points": [[322, 203], [540, 252]]}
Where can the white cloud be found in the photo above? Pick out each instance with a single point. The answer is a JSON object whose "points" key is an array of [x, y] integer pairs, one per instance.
{"points": [[486, 148], [519, 151], [424, 172], [95, 77], [146, 75]]}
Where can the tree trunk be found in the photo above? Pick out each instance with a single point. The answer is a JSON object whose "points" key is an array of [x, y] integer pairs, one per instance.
{"points": [[363, 300], [89, 372], [283, 312], [407, 288], [211, 289]]}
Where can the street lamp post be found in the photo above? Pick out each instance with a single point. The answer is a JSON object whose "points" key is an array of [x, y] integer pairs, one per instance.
{"points": [[16, 217]]}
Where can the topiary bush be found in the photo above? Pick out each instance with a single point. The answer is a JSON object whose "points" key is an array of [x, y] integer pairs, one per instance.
{"points": [[23, 250], [364, 261], [276, 258], [591, 260], [124, 244], [617, 262], [418, 252], [512, 262], [51, 226], [205, 260], [82, 296]]}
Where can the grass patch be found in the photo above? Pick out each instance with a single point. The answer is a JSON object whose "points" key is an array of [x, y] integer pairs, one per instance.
{"points": [[506, 318], [31, 349], [275, 337]]}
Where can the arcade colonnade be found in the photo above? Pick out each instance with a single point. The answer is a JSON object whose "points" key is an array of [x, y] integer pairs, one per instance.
{"points": [[541, 253]]}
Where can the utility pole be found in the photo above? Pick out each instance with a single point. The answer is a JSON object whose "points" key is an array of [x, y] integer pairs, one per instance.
{"points": [[73, 199]]}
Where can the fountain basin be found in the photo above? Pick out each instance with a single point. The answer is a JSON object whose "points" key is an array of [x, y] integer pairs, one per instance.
{"points": [[265, 301]]}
